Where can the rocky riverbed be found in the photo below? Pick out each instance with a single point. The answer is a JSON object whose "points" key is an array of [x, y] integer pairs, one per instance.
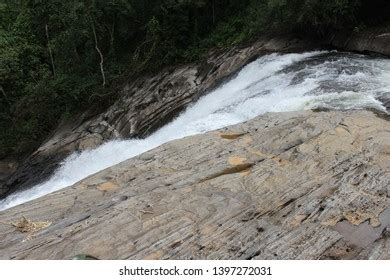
{"points": [[300, 185], [148, 102], [143, 105]]}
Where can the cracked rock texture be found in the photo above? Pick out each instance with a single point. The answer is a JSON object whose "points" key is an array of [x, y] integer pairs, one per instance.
{"points": [[300, 185]]}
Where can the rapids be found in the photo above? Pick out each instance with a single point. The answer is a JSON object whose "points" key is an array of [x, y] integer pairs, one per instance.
{"points": [[272, 83]]}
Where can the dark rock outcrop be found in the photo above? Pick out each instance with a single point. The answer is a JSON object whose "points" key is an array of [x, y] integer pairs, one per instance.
{"points": [[372, 40], [301, 185], [7, 168]]}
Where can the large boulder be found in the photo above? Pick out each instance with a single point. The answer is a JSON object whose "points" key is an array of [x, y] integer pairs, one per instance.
{"points": [[371, 40], [301, 185]]}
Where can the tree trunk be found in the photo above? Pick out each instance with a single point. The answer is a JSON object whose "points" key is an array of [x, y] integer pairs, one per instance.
{"points": [[5, 95], [100, 54], [50, 53], [213, 12]]}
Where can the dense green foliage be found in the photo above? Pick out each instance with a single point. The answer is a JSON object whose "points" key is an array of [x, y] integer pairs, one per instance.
{"points": [[59, 57]]}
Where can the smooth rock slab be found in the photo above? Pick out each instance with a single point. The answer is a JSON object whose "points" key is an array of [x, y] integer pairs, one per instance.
{"points": [[299, 185]]}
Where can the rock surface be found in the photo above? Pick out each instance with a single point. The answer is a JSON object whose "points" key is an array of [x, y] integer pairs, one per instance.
{"points": [[144, 105], [372, 40], [301, 185], [7, 168]]}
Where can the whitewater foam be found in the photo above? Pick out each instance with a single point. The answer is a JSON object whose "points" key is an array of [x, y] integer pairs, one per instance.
{"points": [[273, 83]]}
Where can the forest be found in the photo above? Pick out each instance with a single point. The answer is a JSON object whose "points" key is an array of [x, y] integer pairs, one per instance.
{"points": [[58, 57]]}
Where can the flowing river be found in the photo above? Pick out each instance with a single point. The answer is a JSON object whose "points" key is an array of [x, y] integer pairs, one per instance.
{"points": [[272, 83]]}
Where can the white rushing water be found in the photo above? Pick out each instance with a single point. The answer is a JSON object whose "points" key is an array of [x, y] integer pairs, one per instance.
{"points": [[273, 83]]}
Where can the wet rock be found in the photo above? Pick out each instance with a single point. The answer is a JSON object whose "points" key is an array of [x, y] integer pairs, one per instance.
{"points": [[7, 168], [371, 40], [300, 185]]}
